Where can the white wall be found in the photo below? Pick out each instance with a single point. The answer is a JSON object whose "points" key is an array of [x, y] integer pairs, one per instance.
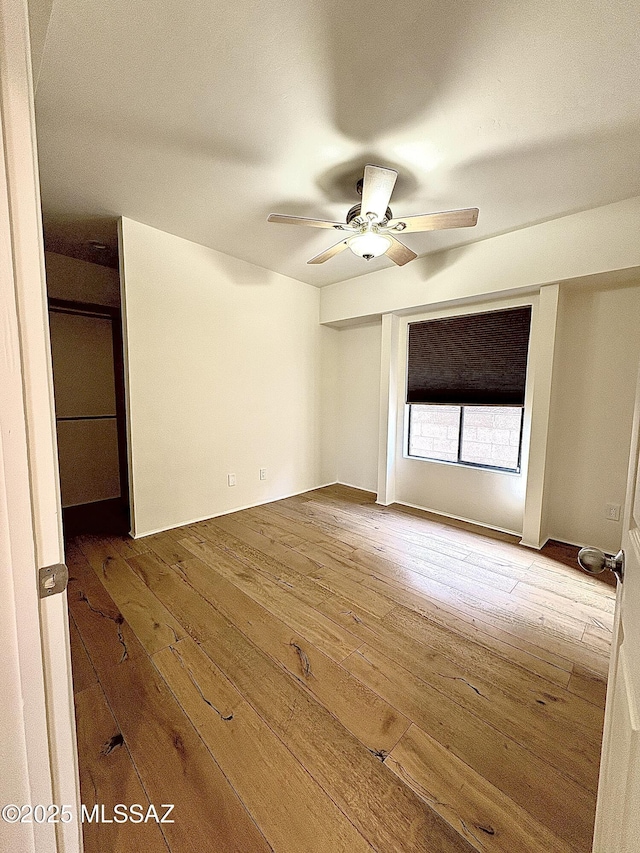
{"points": [[80, 281], [358, 402], [224, 376], [595, 369], [491, 498]]}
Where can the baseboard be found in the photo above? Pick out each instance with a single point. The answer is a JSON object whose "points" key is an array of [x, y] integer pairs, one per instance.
{"points": [[566, 542], [457, 518], [535, 546], [350, 486], [592, 544], [227, 512]]}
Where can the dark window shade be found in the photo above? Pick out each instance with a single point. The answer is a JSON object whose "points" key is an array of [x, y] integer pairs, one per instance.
{"points": [[478, 359]]}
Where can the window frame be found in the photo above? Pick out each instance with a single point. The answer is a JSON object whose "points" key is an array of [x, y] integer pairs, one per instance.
{"points": [[461, 462]]}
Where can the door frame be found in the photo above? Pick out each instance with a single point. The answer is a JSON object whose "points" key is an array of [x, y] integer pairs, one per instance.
{"points": [[32, 527]]}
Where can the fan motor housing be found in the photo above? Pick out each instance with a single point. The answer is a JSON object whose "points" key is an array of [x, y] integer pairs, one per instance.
{"points": [[355, 213]]}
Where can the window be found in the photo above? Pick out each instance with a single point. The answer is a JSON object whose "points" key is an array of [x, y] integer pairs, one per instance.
{"points": [[465, 388], [481, 436]]}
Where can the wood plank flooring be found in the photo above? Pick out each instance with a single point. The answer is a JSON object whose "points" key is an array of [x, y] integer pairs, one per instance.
{"points": [[322, 674]]}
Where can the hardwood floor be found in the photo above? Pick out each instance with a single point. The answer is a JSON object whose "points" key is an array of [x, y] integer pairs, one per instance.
{"points": [[324, 674]]}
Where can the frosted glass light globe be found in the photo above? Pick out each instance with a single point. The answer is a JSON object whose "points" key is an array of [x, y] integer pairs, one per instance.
{"points": [[369, 245]]}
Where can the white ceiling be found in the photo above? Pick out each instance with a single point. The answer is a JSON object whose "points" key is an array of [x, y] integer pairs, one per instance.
{"points": [[201, 118]]}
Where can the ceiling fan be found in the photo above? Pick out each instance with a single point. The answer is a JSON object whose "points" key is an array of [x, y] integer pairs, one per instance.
{"points": [[371, 225]]}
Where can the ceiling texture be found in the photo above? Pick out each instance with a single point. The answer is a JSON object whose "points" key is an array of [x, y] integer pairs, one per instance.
{"points": [[200, 118]]}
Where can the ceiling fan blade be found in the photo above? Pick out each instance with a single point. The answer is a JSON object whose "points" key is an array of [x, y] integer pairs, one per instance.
{"points": [[398, 252], [436, 221], [377, 187], [329, 253], [301, 220]]}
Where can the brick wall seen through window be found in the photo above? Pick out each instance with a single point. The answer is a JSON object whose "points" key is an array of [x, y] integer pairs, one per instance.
{"points": [[485, 436]]}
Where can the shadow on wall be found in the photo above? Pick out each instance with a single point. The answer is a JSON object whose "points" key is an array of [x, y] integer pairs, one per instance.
{"points": [[430, 265], [234, 270]]}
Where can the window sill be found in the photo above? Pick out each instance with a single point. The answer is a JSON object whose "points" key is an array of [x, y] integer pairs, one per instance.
{"points": [[507, 471]]}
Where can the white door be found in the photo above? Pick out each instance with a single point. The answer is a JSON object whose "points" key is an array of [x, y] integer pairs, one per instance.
{"points": [[618, 812], [37, 734]]}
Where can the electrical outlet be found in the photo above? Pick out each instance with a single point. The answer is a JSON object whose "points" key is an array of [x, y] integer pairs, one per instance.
{"points": [[263, 473], [231, 479], [612, 512]]}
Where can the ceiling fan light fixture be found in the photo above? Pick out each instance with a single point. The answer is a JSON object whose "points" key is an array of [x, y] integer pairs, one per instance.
{"points": [[369, 245], [371, 225]]}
